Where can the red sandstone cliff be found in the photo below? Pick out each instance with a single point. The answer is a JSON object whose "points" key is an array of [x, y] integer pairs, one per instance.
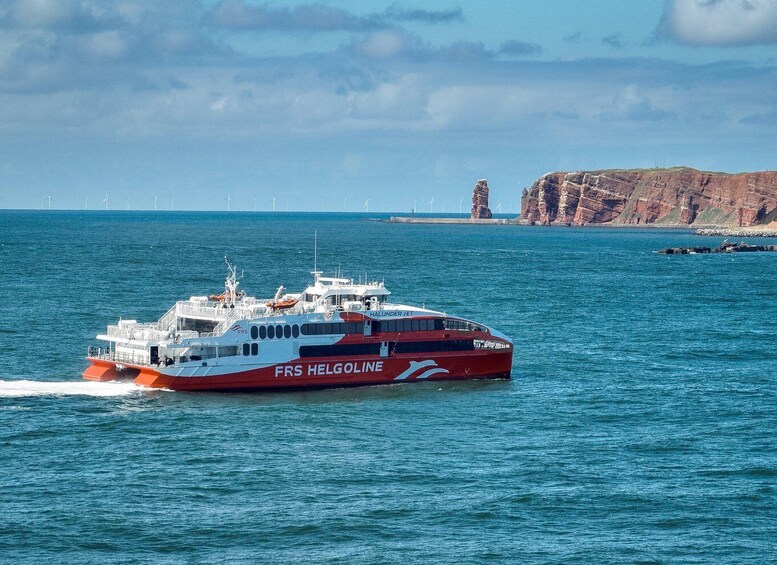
{"points": [[678, 196], [480, 209]]}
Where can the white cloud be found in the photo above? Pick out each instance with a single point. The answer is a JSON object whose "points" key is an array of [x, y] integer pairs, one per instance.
{"points": [[722, 22]]}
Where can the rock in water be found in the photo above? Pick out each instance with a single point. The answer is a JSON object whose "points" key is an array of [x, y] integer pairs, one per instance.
{"points": [[678, 196], [480, 209]]}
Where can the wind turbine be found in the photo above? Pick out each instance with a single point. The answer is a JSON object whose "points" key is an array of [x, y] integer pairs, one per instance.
{"points": [[229, 202], [345, 204], [155, 203], [49, 199], [461, 203], [431, 205], [105, 200], [499, 208], [273, 203], [367, 205], [86, 202]]}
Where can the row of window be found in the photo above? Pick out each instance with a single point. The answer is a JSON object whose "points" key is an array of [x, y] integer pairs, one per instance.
{"points": [[429, 346], [388, 326], [333, 328], [394, 347], [407, 325], [274, 332], [462, 326], [249, 349], [339, 350]]}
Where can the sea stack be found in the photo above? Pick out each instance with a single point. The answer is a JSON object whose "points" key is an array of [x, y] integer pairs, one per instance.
{"points": [[480, 208]]}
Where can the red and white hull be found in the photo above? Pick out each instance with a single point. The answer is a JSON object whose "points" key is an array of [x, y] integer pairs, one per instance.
{"points": [[318, 373]]}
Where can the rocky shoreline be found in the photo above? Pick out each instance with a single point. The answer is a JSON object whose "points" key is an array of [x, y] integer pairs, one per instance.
{"points": [[753, 231]]}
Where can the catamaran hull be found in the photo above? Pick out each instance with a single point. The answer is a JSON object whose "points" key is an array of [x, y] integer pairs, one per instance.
{"points": [[312, 372]]}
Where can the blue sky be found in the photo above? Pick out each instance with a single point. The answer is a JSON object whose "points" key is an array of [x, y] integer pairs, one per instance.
{"points": [[323, 105]]}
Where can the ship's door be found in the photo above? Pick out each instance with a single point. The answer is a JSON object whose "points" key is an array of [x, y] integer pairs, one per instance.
{"points": [[368, 327], [384, 348], [154, 354]]}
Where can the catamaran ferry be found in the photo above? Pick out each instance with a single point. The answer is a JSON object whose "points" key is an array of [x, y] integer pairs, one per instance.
{"points": [[336, 333]]}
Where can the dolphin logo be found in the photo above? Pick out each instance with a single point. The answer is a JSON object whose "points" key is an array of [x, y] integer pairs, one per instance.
{"points": [[433, 369]]}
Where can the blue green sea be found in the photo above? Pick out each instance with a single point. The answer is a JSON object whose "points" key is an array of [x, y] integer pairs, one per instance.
{"points": [[640, 425]]}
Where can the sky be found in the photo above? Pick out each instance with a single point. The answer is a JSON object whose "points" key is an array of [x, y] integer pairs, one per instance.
{"points": [[370, 106]]}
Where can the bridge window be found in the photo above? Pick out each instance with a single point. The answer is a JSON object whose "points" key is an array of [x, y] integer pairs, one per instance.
{"points": [[287, 331], [271, 332], [262, 332], [254, 332]]}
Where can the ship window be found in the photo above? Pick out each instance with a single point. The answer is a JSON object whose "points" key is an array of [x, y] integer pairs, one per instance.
{"points": [[415, 326], [429, 346], [295, 330], [271, 332], [354, 327], [278, 332], [254, 349], [287, 331], [262, 332], [254, 332], [246, 349], [339, 350]]}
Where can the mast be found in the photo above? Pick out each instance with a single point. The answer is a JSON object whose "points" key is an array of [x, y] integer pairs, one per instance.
{"points": [[315, 272]]}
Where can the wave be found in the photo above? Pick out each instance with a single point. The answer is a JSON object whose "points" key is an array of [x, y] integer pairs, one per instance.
{"points": [[66, 388]]}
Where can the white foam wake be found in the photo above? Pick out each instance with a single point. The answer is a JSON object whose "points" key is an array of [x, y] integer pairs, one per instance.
{"points": [[66, 388]]}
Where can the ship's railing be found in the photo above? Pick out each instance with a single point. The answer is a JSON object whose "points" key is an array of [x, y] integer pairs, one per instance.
{"points": [[167, 322], [218, 311], [119, 357], [139, 358], [148, 332]]}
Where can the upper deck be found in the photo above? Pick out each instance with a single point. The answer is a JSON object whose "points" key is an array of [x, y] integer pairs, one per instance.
{"points": [[206, 317]]}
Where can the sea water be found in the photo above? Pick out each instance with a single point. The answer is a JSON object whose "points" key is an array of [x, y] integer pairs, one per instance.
{"points": [[640, 424]]}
